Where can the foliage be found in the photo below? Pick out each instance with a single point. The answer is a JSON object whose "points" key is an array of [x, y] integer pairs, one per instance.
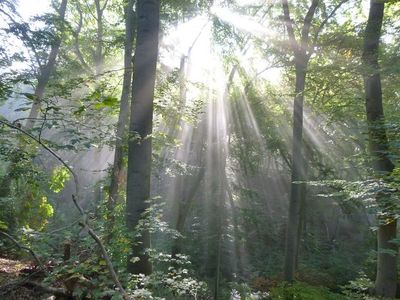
{"points": [[359, 288], [302, 291], [234, 216], [367, 192], [60, 176]]}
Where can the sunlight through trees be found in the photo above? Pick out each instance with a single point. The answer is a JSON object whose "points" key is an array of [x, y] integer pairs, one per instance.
{"points": [[244, 149]]}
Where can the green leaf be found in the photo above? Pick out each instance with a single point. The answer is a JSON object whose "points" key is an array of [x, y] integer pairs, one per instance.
{"points": [[58, 179], [110, 101], [30, 96]]}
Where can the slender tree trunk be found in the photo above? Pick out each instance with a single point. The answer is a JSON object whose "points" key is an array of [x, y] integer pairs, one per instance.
{"points": [[386, 277], [297, 173], [45, 74], [301, 50], [43, 79], [238, 267], [98, 53], [123, 117], [186, 186], [188, 189], [140, 148]]}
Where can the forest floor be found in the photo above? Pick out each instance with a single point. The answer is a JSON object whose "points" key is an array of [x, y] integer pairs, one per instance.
{"points": [[22, 280], [11, 269]]}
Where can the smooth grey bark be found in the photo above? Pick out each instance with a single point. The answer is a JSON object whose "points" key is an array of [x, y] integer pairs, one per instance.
{"points": [[123, 117], [386, 276], [140, 130]]}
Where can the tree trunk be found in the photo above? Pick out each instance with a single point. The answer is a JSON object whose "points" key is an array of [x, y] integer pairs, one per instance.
{"points": [[386, 277], [98, 53], [296, 191], [43, 79], [186, 185], [45, 74], [123, 117], [188, 188], [140, 148], [302, 52]]}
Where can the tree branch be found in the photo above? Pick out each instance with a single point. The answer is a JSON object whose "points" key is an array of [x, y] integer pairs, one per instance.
{"points": [[46, 289], [104, 6], [289, 25], [27, 41], [75, 198], [305, 31], [77, 44], [22, 247], [322, 25]]}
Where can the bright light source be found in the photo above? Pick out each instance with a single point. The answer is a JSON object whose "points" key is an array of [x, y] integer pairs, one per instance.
{"points": [[30, 8]]}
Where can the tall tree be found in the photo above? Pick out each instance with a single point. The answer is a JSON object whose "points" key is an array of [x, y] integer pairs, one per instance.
{"points": [[91, 49], [44, 72], [140, 130], [301, 47], [386, 275], [301, 51], [123, 117]]}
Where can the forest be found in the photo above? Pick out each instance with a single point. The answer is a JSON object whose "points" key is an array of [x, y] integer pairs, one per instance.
{"points": [[199, 149]]}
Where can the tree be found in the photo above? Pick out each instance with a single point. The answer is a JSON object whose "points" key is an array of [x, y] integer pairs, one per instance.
{"points": [[301, 48], [140, 130], [301, 51], [386, 275], [123, 117], [44, 72]]}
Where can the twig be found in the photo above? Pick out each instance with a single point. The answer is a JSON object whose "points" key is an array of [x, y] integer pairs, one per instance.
{"points": [[331, 14], [110, 267], [43, 288], [22, 247]]}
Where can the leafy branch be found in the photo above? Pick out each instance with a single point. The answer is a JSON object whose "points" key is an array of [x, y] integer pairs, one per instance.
{"points": [[75, 198]]}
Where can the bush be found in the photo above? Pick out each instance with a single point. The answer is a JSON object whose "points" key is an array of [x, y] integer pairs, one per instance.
{"points": [[302, 291]]}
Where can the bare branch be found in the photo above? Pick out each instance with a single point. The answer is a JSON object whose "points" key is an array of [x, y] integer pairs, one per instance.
{"points": [[46, 289], [322, 25], [106, 258], [22, 247]]}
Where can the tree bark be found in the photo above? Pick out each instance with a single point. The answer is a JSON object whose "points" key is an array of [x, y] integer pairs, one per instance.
{"points": [[301, 50], [123, 117], [297, 174], [140, 149], [386, 276]]}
